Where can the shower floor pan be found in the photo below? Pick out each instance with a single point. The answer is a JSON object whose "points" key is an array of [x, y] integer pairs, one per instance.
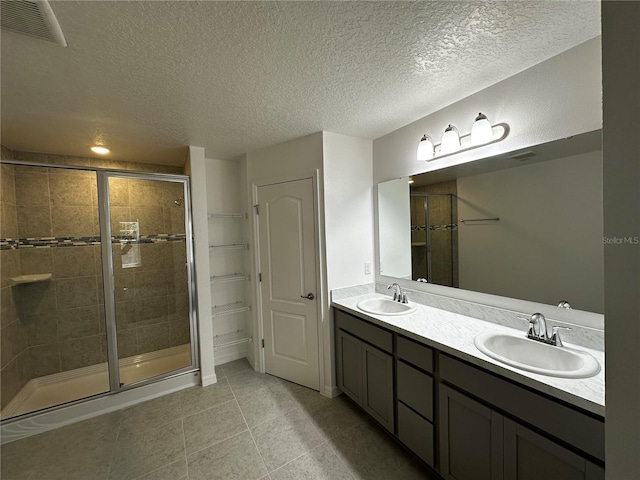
{"points": [[64, 387]]}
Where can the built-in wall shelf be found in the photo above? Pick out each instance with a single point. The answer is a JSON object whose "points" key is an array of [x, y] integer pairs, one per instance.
{"points": [[235, 246], [213, 216], [23, 279], [229, 309], [229, 339], [234, 277]]}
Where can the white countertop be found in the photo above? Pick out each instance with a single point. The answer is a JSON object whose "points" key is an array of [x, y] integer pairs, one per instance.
{"points": [[453, 333]]}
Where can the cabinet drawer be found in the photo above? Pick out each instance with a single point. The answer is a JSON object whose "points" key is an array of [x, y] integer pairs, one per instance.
{"points": [[415, 354], [415, 389], [376, 336], [416, 433]]}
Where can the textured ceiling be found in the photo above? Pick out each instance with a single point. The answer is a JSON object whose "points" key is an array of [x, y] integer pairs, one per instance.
{"points": [[149, 78]]}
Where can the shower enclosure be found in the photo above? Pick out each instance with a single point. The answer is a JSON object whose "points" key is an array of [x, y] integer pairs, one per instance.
{"points": [[434, 240], [96, 268]]}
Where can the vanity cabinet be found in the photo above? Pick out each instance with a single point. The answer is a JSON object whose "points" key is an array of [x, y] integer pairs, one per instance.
{"points": [[365, 366], [479, 442], [470, 438], [463, 421]]}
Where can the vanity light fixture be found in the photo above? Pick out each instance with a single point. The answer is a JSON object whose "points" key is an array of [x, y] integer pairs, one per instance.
{"points": [[425, 148], [482, 133], [450, 140], [100, 150]]}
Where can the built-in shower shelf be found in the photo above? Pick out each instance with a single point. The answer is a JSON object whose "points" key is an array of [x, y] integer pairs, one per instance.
{"points": [[236, 246], [229, 309], [22, 279], [213, 216], [234, 277], [228, 339]]}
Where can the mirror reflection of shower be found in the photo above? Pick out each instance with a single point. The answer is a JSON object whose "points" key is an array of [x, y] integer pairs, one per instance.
{"points": [[434, 237]]}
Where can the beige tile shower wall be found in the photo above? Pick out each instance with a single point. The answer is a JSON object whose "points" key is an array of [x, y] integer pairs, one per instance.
{"points": [[152, 303], [14, 349], [95, 162], [62, 320]]}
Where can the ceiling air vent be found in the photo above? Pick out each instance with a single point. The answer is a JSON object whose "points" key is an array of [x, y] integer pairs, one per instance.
{"points": [[523, 155], [34, 18]]}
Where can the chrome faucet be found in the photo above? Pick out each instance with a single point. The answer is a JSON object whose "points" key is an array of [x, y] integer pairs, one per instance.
{"points": [[538, 330], [398, 294]]}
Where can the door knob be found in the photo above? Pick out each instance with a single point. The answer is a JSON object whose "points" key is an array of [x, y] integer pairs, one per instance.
{"points": [[310, 296]]}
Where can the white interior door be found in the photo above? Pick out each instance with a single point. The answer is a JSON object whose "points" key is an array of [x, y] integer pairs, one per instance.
{"points": [[287, 232]]}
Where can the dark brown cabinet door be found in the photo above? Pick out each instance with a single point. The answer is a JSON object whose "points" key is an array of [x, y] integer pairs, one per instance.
{"points": [[349, 365], [529, 456], [470, 438], [378, 385]]}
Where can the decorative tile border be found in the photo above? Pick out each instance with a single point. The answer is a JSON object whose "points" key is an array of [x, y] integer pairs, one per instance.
{"points": [[56, 242]]}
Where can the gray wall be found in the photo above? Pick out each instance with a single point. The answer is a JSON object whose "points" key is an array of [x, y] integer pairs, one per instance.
{"points": [[621, 104], [547, 245]]}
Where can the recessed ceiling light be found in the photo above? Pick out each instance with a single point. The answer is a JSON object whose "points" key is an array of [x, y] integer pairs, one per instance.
{"points": [[100, 150]]}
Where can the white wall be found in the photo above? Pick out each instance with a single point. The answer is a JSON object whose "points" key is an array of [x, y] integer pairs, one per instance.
{"points": [[225, 194], [543, 207], [343, 167], [299, 158], [555, 99], [348, 209], [394, 210], [621, 85], [196, 170]]}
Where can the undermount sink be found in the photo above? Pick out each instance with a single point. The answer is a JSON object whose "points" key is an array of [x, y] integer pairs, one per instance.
{"points": [[386, 306], [537, 357]]}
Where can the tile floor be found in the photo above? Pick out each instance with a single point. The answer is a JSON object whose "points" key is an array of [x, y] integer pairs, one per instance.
{"points": [[248, 426]]}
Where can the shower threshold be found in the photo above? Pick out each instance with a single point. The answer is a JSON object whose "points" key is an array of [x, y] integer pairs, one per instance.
{"points": [[64, 387]]}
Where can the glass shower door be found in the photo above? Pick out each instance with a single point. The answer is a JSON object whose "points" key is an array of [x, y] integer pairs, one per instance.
{"points": [[54, 348], [150, 276]]}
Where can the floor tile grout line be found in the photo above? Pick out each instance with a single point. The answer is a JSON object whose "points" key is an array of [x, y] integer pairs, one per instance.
{"points": [[115, 442], [207, 409], [255, 444], [301, 455], [333, 449], [184, 439]]}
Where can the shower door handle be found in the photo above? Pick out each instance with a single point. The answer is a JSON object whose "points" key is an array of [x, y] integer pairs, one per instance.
{"points": [[310, 296]]}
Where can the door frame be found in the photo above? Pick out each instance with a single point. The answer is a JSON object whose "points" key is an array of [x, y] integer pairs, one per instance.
{"points": [[321, 295], [104, 220]]}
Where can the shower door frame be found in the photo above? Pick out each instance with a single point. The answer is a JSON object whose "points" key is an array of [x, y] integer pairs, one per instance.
{"points": [[108, 278], [104, 213]]}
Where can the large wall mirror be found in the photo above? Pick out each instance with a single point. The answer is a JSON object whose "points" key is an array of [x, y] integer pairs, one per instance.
{"points": [[527, 225]]}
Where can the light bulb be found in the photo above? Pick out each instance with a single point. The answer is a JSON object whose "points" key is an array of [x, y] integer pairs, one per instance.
{"points": [[100, 150], [425, 148], [481, 131], [450, 140]]}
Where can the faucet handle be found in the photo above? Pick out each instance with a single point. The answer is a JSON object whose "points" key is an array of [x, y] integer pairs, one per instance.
{"points": [[555, 335], [531, 321], [404, 298]]}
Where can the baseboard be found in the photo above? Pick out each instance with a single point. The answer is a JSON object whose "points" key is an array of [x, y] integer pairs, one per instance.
{"points": [[209, 380], [330, 392], [222, 358]]}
